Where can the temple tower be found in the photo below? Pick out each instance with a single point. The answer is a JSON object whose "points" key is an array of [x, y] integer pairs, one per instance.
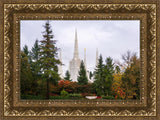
{"points": [[85, 64], [74, 64]]}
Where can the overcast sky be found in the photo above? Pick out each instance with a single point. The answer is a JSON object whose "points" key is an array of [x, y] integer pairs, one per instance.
{"points": [[112, 37]]}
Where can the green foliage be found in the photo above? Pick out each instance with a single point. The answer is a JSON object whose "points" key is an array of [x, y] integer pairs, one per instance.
{"points": [[99, 77], [69, 96], [64, 93], [35, 51], [117, 69], [82, 78], [104, 76], [108, 75], [25, 50], [108, 97], [90, 75], [39, 75], [35, 65], [59, 97], [131, 77], [48, 50], [48, 57], [75, 96], [26, 78], [67, 76]]}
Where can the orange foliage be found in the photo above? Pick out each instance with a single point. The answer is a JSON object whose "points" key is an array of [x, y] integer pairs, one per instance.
{"points": [[119, 92], [63, 83], [116, 86], [67, 85]]}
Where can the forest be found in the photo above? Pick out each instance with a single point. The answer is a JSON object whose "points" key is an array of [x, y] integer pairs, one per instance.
{"points": [[39, 78]]}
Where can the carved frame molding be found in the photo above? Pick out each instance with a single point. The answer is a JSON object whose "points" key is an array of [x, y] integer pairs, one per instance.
{"points": [[13, 13]]}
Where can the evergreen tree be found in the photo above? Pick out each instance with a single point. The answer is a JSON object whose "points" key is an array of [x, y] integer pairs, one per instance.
{"points": [[99, 77], [108, 75], [35, 66], [25, 50], [35, 51], [26, 78], [82, 78], [35, 59], [90, 74], [27, 53], [67, 76], [48, 58]]}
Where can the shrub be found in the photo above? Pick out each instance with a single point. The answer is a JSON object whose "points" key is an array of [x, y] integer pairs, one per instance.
{"points": [[59, 97], [70, 87], [64, 93], [75, 96], [108, 97], [55, 89]]}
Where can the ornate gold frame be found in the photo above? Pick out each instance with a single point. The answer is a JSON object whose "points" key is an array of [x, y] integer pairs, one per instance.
{"points": [[11, 12]]}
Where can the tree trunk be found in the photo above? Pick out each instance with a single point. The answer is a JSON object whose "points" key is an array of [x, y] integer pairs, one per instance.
{"points": [[47, 94]]}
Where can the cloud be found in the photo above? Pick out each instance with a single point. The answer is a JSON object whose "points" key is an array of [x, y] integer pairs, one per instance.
{"points": [[112, 38]]}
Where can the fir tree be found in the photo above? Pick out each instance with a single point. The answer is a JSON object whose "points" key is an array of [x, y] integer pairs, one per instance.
{"points": [[48, 57], [35, 65], [35, 59], [27, 53], [35, 51], [26, 73], [99, 77], [82, 78], [25, 50], [67, 76], [108, 75]]}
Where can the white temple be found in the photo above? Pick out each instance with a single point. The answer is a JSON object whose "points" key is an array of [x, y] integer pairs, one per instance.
{"points": [[74, 64], [96, 57]]}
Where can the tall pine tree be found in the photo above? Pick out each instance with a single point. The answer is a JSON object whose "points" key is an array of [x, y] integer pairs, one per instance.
{"points": [[35, 58], [35, 51], [108, 75], [48, 58], [25, 50], [26, 73], [35, 66], [82, 78], [99, 77]]}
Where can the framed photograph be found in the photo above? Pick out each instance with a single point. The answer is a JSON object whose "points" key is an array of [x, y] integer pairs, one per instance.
{"points": [[82, 74], [79, 59]]}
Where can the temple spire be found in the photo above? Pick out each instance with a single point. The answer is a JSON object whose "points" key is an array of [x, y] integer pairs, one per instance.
{"points": [[97, 57], [76, 54]]}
